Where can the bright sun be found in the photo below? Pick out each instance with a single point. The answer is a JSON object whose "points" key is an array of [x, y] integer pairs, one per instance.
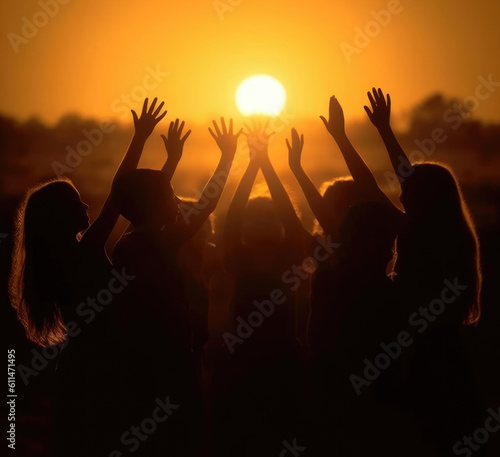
{"points": [[260, 94]]}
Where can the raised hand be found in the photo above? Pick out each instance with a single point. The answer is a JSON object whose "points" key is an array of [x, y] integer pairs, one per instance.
{"points": [[258, 138], [174, 141], [295, 150], [145, 124], [225, 138], [380, 113], [335, 124]]}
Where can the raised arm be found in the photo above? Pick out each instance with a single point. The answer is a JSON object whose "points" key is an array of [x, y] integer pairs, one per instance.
{"points": [[235, 214], [380, 117], [227, 142], [97, 234], [174, 145], [258, 140], [314, 198], [360, 172]]}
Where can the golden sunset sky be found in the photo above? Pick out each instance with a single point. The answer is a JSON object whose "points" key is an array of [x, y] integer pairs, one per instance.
{"points": [[99, 58]]}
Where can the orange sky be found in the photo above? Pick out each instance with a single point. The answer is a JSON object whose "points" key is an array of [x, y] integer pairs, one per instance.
{"points": [[91, 53]]}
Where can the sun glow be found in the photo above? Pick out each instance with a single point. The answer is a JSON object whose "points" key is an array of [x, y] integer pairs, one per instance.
{"points": [[260, 94]]}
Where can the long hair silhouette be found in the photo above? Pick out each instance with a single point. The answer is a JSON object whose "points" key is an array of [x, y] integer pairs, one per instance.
{"points": [[439, 218], [51, 214]]}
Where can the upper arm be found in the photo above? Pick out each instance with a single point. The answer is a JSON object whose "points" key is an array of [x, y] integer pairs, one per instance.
{"points": [[100, 230]]}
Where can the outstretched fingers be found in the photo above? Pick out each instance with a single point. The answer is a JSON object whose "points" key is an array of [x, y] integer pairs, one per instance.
{"points": [[368, 112], [214, 136], [223, 125], [144, 106], [185, 137], [216, 127], [152, 107], [160, 106], [372, 100], [162, 115], [134, 115]]}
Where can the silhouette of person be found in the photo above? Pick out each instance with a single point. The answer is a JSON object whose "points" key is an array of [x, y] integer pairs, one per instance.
{"points": [[158, 359], [256, 387], [437, 254], [59, 272], [350, 292]]}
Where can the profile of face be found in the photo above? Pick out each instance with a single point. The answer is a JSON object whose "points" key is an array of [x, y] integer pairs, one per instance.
{"points": [[77, 212], [261, 223], [57, 209]]}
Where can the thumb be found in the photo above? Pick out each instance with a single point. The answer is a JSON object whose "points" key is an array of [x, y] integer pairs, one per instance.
{"points": [[368, 112]]}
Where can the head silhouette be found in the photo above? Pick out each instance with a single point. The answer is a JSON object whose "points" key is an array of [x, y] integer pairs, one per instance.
{"points": [[145, 197], [432, 191], [50, 217], [54, 210], [440, 220], [339, 196], [367, 237], [261, 224]]}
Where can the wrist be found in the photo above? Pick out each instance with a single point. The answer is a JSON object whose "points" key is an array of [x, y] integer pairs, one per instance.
{"points": [[384, 129], [172, 158], [141, 136], [340, 133], [227, 156], [340, 137]]}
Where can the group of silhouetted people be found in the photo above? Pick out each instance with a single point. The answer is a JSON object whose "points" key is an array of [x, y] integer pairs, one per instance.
{"points": [[255, 338]]}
